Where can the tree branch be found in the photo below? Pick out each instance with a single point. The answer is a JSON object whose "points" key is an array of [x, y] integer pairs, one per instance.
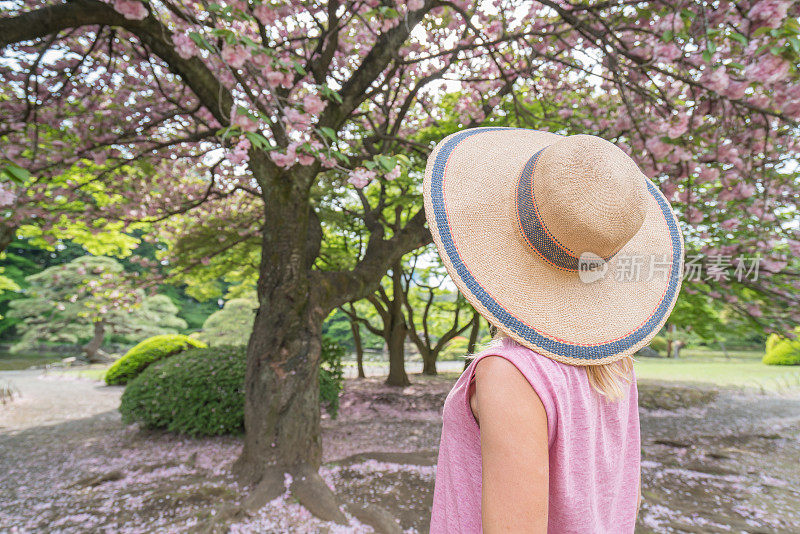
{"points": [[45, 21], [339, 287]]}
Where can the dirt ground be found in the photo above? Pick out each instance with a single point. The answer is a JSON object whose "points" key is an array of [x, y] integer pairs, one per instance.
{"points": [[726, 463]]}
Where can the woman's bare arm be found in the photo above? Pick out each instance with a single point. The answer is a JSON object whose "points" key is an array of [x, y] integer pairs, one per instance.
{"points": [[514, 446]]}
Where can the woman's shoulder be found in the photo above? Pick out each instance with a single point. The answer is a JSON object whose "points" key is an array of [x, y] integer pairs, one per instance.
{"points": [[525, 359], [541, 372]]}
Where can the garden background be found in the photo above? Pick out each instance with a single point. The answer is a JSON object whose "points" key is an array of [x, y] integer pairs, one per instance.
{"points": [[221, 310]]}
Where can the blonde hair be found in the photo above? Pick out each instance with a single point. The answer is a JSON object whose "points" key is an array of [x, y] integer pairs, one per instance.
{"points": [[609, 380]]}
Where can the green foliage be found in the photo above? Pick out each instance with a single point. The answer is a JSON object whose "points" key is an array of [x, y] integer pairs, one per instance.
{"points": [[147, 352], [195, 313], [62, 303], [216, 259], [232, 324], [772, 340], [331, 375], [97, 235], [659, 344], [337, 328], [456, 349], [199, 392], [782, 351]]}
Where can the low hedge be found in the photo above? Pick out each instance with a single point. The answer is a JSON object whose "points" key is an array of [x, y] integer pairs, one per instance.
{"points": [[201, 391], [782, 351], [197, 392], [147, 352]]}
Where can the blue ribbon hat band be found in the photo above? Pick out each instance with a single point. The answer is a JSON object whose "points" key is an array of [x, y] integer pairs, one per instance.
{"points": [[533, 228], [540, 240]]}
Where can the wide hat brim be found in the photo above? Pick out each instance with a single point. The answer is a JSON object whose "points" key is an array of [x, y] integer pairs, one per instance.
{"points": [[469, 190]]}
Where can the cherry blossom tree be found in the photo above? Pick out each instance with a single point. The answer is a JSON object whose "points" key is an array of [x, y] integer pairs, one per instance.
{"points": [[302, 107]]}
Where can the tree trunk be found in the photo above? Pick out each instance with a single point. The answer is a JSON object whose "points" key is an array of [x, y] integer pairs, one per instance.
{"points": [[428, 362], [395, 333], [672, 343], [282, 411], [395, 343], [473, 337], [359, 348], [7, 234], [92, 350]]}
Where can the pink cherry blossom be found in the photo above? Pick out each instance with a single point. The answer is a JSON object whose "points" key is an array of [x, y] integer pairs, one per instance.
{"points": [[274, 78], [768, 69], [313, 104], [658, 148], [184, 45], [296, 117], [131, 9], [679, 126], [769, 13], [708, 174], [695, 216], [240, 154], [243, 120], [265, 13], [393, 174], [305, 159], [754, 310], [361, 177], [666, 52], [7, 197], [235, 55], [282, 159], [717, 79], [414, 5]]}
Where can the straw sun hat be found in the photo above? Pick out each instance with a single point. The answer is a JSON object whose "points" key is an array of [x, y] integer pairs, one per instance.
{"points": [[561, 242]]}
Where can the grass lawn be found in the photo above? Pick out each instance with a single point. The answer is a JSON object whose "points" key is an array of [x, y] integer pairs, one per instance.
{"points": [[90, 372], [16, 362], [742, 369]]}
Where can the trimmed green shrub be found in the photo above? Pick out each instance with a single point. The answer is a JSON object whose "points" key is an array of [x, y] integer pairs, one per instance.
{"points": [[147, 352], [658, 344], [199, 392], [782, 351], [772, 340]]}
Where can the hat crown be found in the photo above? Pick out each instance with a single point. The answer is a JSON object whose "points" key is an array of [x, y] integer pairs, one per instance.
{"points": [[589, 194]]}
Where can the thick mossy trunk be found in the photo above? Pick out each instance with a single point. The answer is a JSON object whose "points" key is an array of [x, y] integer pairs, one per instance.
{"points": [[282, 411], [282, 417]]}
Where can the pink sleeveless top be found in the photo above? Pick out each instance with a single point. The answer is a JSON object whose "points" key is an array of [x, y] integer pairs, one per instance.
{"points": [[594, 451]]}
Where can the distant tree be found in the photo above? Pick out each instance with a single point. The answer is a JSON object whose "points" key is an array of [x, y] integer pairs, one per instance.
{"points": [[86, 299], [387, 303], [232, 324], [694, 319], [434, 314]]}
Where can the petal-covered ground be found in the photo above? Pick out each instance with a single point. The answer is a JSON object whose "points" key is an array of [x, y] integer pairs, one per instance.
{"points": [[727, 463]]}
